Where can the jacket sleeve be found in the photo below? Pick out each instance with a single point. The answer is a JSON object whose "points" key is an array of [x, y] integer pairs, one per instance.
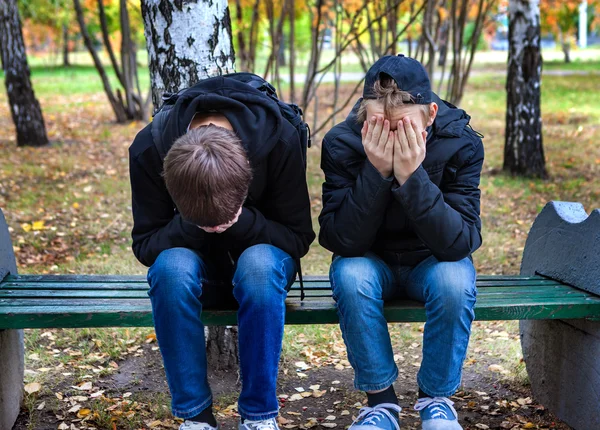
{"points": [[353, 207], [447, 220], [285, 221], [156, 225]]}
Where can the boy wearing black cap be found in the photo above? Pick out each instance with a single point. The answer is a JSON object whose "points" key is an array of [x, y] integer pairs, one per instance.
{"points": [[401, 215]]}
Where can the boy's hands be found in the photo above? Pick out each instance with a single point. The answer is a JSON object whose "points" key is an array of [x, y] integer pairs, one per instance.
{"points": [[221, 228], [378, 142], [409, 149]]}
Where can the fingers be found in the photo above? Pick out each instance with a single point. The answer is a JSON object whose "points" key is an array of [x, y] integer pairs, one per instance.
{"points": [[363, 131], [411, 136], [385, 132], [421, 135], [389, 145], [370, 129], [402, 138], [377, 130]]}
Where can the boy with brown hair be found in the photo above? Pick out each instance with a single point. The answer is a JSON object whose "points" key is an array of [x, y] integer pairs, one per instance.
{"points": [[227, 206], [401, 215]]}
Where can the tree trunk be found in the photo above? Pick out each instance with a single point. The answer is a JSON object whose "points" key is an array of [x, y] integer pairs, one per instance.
{"points": [[523, 150], [566, 47], [187, 43], [24, 107], [65, 38]]}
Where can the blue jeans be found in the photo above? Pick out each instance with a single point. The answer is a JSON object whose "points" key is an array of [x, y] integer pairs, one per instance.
{"points": [[261, 278], [360, 287]]}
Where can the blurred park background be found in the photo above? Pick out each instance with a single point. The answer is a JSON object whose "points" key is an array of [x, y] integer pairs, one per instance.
{"points": [[68, 202]]}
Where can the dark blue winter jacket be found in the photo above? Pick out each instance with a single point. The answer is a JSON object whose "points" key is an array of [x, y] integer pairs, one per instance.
{"points": [[435, 212]]}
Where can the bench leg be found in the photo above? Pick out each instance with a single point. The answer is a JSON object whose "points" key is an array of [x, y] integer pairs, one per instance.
{"points": [[11, 376], [563, 364]]}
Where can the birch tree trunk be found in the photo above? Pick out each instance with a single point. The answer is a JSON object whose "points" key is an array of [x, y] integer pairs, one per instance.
{"points": [[523, 149], [24, 107], [188, 42]]}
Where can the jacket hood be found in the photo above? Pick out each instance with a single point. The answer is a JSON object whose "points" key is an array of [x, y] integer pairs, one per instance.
{"points": [[255, 118], [449, 122]]}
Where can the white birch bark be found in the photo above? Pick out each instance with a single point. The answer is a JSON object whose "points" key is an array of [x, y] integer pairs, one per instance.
{"points": [[187, 42], [523, 150]]}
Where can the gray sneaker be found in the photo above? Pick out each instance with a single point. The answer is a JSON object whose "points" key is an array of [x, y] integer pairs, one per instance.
{"points": [[377, 418], [270, 424], [437, 413], [193, 425]]}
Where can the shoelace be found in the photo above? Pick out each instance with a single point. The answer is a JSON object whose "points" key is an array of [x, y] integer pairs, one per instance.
{"points": [[193, 425], [261, 425], [377, 413], [438, 410]]}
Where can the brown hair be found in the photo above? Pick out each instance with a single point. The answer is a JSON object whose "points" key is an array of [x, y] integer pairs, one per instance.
{"points": [[208, 174], [387, 92]]}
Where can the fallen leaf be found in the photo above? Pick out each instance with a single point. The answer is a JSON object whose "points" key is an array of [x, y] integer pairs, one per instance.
{"points": [[282, 420], [38, 225], [34, 387], [86, 386], [82, 413]]}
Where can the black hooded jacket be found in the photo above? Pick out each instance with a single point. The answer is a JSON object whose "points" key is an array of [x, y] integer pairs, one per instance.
{"points": [[435, 212], [277, 210]]}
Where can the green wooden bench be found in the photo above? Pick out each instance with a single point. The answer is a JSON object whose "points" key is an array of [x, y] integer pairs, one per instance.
{"points": [[557, 285]]}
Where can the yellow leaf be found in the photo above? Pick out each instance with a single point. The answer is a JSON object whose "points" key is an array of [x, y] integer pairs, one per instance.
{"points": [[34, 387], [26, 227], [38, 225], [83, 413], [529, 426], [75, 205]]}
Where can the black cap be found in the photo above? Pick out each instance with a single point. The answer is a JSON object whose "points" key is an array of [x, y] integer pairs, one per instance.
{"points": [[409, 74]]}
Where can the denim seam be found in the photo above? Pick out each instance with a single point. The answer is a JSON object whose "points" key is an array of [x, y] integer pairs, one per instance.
{"points": [[190, 413], [361, 387], [272, 414], [374, 387], [433, 392], [260, 416]]}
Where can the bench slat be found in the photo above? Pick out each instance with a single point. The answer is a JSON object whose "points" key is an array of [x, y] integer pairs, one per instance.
{"points": [[308, 285], [307, 313], [120, 279], [123, 293], [46, 301], [6, 305]]}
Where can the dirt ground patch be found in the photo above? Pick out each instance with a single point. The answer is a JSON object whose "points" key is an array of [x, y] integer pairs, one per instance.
{"points": [[310, 396]]}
